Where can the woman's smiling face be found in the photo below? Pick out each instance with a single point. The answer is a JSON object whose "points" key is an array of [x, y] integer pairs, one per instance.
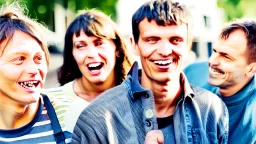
{"points": [[95, 57]]}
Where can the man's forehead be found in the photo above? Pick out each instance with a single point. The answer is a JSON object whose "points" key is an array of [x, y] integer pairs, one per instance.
{"points": [[152, 27]]}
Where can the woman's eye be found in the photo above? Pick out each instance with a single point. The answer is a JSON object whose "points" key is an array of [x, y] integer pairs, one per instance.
{"points": [[99, 43], [79, 46]]}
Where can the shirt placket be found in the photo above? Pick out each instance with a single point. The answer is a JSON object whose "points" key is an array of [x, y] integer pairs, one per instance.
{"points": [[149, 116]]}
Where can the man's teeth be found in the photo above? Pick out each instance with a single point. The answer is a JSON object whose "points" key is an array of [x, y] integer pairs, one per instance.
{"points": [[28, 84], [215, 72], [163, 62], [94, 65]]}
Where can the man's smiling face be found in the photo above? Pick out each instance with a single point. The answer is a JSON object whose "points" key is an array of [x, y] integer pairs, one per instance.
{"points": [[23, 69]]}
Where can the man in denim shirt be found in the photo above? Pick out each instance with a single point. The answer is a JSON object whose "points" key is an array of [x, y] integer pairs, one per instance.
{"points": [[232, 69], [160, 97]]}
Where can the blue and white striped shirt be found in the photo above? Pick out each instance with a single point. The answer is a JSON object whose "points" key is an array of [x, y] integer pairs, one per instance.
{"points": [[39, 130]]}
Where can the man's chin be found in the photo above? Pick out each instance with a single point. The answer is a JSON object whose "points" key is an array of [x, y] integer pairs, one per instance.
{"points": [[215, 83], [165, 80]]}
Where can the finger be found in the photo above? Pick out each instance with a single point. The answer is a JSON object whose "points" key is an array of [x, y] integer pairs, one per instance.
{"points": [[154, 137]]}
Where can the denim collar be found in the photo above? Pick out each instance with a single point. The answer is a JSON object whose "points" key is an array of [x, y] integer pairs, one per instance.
{"points": [[187, 90], [137, 89], [133, 78]]}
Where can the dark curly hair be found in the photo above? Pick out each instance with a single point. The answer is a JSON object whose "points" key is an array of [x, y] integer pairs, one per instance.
{"points": [[93, 23]]}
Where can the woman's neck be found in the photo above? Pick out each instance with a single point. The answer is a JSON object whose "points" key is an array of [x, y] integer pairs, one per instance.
{"points": [[15, 116], [89, 91]]}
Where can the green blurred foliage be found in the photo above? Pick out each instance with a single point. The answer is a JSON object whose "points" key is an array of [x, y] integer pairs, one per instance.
{"points": [[107, 6], [43, 10], [232, 8]]}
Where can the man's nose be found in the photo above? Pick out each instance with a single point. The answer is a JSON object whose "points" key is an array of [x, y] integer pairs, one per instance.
{"points": [[214, 59], [32, 68], [165, 49]]}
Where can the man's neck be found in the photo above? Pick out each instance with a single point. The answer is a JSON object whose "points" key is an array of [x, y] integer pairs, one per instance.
{"points": [[166, 95], [14, 116], [231, 90]]}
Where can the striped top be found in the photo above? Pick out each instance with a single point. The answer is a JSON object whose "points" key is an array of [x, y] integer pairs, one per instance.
{"points": [[39, 130], [68, 105]]}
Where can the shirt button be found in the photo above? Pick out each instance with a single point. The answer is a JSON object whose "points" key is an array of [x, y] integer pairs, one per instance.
{"points": [[148, 123], [146, 95], [149, 114]]}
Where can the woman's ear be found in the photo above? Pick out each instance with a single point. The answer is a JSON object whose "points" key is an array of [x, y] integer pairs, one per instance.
{"points": [[135, 49]]}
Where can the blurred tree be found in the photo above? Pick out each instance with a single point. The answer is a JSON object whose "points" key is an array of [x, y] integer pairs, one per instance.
{"points": [[107, 6], [43, 10], [232, 8]]}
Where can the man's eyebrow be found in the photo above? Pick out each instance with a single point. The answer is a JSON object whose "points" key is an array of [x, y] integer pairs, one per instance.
{"points": [[226, 54], [150, 36], [177, 37], [223, 53]]}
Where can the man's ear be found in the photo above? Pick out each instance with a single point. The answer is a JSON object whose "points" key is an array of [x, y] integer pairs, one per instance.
{"points": [[134, 45], [251, 69]]}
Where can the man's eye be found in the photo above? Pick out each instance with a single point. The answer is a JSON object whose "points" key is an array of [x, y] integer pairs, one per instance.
{"points": [[39, 58], [226, 57], [151, 40], [176, 41], [18, 60]]}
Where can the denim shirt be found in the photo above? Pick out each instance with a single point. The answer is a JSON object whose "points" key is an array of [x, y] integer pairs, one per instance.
{"points": [[125, 113]]}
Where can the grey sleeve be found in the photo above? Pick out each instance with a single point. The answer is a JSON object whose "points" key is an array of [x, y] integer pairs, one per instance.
{"points": [[85, 132]]}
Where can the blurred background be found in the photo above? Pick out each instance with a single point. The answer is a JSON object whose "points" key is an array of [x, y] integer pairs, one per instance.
{"points": [[209, 17]]}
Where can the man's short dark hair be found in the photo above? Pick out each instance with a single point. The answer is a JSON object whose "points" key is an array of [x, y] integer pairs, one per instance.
{"points": [[249, 29], [164, 12]]}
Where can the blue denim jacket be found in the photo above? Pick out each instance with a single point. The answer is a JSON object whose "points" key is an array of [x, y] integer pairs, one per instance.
{"points": [[125, 113]]}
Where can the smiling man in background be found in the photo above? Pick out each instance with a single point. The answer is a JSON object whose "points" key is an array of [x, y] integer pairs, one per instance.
{"points": [[232, 69]]}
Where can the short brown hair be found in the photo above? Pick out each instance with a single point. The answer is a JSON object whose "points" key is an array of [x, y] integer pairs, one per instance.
{"points": [[249, 29]]}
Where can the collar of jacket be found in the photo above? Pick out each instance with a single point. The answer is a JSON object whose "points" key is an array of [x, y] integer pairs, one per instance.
{"points": [[137, 90]]}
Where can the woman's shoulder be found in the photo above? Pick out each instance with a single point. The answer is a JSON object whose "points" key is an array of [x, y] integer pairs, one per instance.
{"points": [[65, 91]]}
